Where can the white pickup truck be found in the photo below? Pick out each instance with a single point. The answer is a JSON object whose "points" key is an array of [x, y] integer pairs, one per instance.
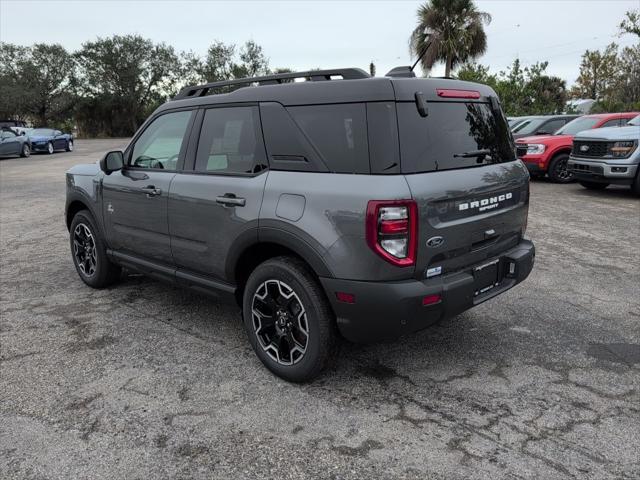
{"points": [[607, 156]]}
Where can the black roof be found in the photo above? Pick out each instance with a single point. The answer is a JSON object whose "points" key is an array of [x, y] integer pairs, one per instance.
{"points": [[321, 86]]}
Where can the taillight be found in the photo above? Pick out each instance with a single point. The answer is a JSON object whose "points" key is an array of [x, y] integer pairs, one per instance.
{"points": [[392, 230]]}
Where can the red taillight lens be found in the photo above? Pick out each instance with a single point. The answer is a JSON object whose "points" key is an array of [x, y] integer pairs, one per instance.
{"points": [[345, 297], [392, 230], [431, 299], [451, 93], [391, 227]]}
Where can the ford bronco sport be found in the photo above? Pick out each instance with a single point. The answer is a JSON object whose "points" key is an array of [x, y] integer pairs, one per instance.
{"points": [[372, 207]]}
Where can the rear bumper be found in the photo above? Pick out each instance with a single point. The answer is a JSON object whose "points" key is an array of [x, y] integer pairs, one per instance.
{"points": [[388, 310], [602, 172]]}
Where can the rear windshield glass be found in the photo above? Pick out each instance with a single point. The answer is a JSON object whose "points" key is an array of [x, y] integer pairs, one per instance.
{"points": [[453, 135]]}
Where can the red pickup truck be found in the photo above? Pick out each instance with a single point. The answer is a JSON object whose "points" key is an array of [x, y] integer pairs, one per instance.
{"points": [[548, 154]]}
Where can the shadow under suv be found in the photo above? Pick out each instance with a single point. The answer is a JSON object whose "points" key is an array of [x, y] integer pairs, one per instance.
{"points": [[343, 204]]}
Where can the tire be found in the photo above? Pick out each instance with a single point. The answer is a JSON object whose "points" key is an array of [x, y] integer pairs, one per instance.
{"points": [[26, 151], [97, 271], [50, 148], [635, 187], [594, 185], [69, 147], [286, 285], [558, 172]]}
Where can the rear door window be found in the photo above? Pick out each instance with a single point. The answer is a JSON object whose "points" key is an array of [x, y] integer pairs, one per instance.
{"points": [[450, 135], [338, 133], [231, 141]]}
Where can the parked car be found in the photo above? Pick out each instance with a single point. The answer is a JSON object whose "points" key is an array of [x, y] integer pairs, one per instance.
{"points": [[49, 140], [13, 144], [607, 156], [549, 154], [541, 125], [515, 121], [373, 207], [18, 126]]}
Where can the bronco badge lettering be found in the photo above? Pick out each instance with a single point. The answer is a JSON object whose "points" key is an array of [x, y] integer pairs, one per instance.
{"points": [[485, 203]]}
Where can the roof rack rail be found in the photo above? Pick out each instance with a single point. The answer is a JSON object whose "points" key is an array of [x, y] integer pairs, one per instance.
{"points": [[312, 75]]}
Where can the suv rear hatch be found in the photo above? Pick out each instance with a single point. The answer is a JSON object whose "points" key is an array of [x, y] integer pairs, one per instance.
{"points": [[459, 162]]}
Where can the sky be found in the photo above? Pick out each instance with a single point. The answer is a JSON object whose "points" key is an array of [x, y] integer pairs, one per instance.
{"points": [[327, 34]]}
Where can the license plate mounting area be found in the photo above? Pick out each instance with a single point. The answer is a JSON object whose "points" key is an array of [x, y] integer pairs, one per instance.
{"points": [[486, 277]]}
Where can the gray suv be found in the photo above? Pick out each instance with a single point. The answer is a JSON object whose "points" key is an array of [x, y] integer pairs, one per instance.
{"points": [[323, 202]]}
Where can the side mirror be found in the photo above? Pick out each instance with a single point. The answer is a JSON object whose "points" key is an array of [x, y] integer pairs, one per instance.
{"points": [[112, 162]]}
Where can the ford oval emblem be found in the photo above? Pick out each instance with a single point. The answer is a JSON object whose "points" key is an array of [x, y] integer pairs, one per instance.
{"points": [[435, 242], [584, 148]]}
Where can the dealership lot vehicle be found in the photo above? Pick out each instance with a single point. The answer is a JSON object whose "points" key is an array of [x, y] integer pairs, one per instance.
{"points": [[607, 156], [550, 154], [49, 140], [13, 144], [379, 206], [541, 125], [18, 126], [515, 121], [150, 381]]}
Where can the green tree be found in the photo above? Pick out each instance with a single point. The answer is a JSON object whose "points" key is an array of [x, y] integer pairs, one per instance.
{"points": [[253, 61], [598, 73], [219, 62], [522, 90], [130, 73], [449, 31], [547, 94], [222, 62], [35, 82], [14, 95], [48, 73], [475, 72], [631, 23]]}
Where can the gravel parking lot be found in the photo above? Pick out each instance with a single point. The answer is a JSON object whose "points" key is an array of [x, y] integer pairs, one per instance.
{"points": [[144, 380]]}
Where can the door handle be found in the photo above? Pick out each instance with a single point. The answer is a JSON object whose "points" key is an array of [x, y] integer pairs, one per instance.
{"points": [[230, 200], [151, 191]]}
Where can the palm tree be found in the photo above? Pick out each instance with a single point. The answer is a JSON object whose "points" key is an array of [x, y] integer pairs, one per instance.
{"points": [[451, 31]]}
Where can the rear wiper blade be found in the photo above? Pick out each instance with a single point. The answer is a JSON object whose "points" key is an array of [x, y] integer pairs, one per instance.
{"points": [[473, 153]]}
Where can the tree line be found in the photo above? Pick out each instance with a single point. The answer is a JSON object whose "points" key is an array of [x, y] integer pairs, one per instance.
{"points": [[110, 85], [452, 32]]}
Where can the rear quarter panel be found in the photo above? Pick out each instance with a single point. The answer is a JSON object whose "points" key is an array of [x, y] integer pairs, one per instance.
{"points": [[332, 219]]}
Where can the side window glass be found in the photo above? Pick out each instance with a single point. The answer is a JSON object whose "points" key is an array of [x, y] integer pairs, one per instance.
{"points": [[231, 141], [553, 125], [611, 123], [159, 145], [338, 132]]}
